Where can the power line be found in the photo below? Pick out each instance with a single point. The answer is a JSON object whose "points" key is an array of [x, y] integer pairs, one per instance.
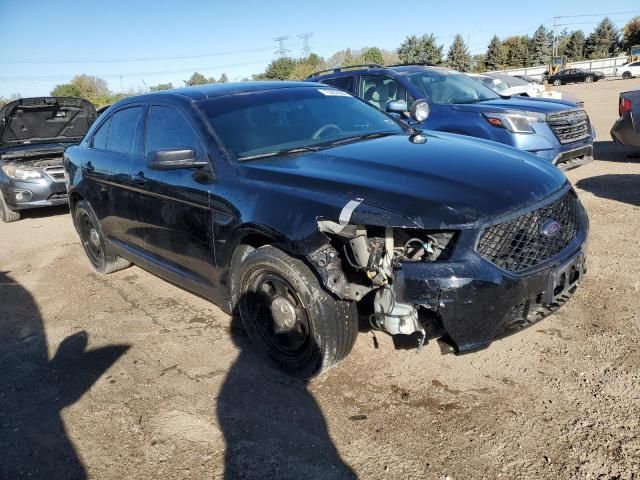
{"points": [[282, 50], [131, 74], [123, 60]]}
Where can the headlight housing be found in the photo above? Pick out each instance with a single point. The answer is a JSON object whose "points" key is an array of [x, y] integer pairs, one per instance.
{"points": [[516, 122], [19, 173]]}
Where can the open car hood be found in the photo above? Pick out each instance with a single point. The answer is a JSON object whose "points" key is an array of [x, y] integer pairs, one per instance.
{"points": [[45, 120]]}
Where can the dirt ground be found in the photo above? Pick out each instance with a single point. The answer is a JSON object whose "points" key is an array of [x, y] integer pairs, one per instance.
{"points": [[126, 376]]}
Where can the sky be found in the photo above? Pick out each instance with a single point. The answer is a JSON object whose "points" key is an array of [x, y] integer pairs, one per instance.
{"points": [[136, 42]]}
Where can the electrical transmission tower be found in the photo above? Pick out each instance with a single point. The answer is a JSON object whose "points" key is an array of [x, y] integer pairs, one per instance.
{"points": [[306, 49], [282, 50]]}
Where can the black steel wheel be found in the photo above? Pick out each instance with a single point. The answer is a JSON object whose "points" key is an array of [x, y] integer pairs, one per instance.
{"points": [[98, 250], [289, 316]]}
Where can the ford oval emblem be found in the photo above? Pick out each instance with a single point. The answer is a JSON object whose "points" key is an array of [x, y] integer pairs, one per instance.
{"points": [[550, 228]]}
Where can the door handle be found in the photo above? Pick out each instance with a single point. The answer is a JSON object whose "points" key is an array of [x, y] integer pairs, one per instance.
{"points": [[139, 179], [89, 168]]}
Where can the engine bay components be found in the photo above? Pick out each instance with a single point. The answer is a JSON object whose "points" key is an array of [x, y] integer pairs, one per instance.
{"points": [[362, 259]]}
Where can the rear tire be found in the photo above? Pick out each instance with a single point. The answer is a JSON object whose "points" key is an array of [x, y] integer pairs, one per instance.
{"points": [[289, 317], [6, 213], [557, 83], [99, 252], [588, 79], [626, 75]]}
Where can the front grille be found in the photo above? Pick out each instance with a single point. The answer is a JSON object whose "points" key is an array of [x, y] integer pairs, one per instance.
{"points": [[570, 126], [55, 173], [520, 243]]}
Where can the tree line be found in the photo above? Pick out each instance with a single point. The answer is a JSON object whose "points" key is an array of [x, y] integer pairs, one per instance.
{"points": [[511, 52]]}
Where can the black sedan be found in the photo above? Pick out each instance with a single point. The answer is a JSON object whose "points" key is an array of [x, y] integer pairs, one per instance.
{"points": [[305, 210], [574, 75]]}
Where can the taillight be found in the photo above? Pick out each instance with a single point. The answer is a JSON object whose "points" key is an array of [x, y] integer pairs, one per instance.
{"points": [[625, 106]]}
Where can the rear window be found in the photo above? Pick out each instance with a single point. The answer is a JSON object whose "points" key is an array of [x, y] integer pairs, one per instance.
{"points": [[347, 84], [122, 130]]}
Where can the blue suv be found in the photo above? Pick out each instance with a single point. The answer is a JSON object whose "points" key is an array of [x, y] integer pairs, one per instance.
{"points": [[558, 131]]}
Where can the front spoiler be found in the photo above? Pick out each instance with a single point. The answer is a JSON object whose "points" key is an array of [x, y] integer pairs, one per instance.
{"points": [[477, 301], [574, 158]]}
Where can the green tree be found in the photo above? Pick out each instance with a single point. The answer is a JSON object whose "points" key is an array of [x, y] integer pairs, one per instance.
{"points": [[540, 46], [477, 62], [66, 90], [198, 79], [373, 55], [422, 49], [575, 46], [161, 86], [495, 59], [603, 41], [223, 78], [516, 51], [278, 69], [631, 33], [458, 56]]}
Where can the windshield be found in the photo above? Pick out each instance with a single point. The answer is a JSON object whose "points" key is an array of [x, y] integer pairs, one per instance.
{"points": [[494, 84], [444, 87], [510, 80], [272, 122]]}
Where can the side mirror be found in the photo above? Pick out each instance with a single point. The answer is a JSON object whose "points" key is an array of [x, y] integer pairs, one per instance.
{"points": [[397, 106], [174, 159], [419, 110]]}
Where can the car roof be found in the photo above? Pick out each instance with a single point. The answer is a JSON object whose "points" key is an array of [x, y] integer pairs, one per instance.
{"points": [[213, 90], [399, 69]]}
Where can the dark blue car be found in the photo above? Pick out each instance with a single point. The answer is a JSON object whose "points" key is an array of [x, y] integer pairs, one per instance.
{"points": [[556, 130], [305, 210]]}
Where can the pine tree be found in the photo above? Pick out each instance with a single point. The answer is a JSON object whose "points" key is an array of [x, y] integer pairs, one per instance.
{"points": [[603, 41], [420, 50], [517, 51], [540, 46], [631, 33], [223, 78], [575, 46], [459, 57], [495, 59]]}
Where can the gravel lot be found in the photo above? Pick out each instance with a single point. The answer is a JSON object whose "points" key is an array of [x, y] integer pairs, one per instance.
{"points": [[127, 376]]}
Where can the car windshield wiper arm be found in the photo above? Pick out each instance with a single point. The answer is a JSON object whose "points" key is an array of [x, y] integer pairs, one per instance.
{"points": [[275, 153], [356, 138]]}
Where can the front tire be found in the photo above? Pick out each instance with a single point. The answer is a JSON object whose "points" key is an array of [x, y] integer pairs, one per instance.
{"points": [[289, 316], [6, 213], [589, 79], [96, 246], [557, 83], [626, 75]]}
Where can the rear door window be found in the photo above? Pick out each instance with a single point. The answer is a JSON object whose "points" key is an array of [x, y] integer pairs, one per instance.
{"points": [[347, 84], [100, 137], [122, 130]]}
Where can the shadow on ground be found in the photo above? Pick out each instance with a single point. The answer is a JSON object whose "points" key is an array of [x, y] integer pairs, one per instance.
{"points": [[34, 389], [620, 187], [609, 151], [45, 212], [272, 425]]}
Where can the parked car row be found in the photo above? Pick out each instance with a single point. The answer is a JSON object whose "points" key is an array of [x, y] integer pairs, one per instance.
{"points": [[387, 197], [556, 130]]}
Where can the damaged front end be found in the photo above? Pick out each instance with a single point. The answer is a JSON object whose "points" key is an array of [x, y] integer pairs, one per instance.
{"points": [[466, 285], [364, 259]]}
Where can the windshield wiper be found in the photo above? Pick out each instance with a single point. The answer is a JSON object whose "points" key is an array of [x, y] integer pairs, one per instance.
{"points": [[356, 138], [275, 153]]}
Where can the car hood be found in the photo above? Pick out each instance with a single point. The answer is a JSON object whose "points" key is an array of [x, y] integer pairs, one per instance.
{"points": [[449, 181], [45, 120], [539, 105]]}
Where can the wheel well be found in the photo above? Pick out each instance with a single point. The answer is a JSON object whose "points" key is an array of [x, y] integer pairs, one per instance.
{"points": [[74, 198], [253, 240]]}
